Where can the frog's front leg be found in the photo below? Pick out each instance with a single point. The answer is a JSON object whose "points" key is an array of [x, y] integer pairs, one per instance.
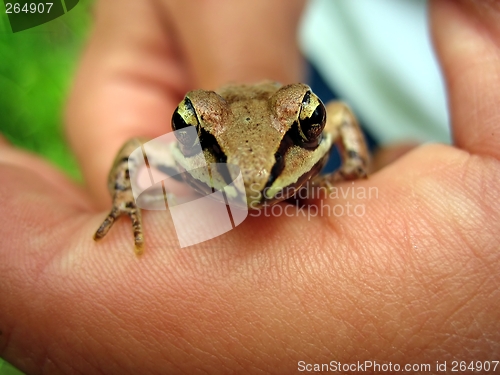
{"points": [[120, 188], [348, 136]]}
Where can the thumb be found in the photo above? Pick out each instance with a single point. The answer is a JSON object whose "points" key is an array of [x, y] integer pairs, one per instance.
{"points": [[467, 39]]}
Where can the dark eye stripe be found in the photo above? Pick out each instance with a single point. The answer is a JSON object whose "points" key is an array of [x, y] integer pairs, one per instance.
{"points": [[209, 142], [291, 138], [279, 164]]}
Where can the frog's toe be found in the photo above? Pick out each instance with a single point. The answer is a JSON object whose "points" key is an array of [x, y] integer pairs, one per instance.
{"points": [[134, 213], [135, 216], [106, 224], [139, 245]]}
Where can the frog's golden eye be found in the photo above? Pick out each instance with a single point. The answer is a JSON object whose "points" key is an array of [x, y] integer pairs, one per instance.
{"points": [[185, 116], [312, 118]]}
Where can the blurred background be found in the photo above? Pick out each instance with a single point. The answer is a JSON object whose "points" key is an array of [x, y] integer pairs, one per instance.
{"points": [[36, 67], [375, 54], [378, 56]]}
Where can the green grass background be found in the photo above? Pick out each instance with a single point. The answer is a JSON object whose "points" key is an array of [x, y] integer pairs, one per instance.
{"points": [[36, 69], [8, 369]]}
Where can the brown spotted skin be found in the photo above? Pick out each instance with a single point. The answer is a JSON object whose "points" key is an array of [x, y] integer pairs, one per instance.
{"points": [[123, 199]]}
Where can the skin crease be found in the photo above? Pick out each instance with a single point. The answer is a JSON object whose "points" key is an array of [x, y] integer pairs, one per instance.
{"points": [[415, 280]]}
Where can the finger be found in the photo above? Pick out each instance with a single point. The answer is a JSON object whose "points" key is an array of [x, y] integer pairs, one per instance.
{"points": [[223, 306], [467, 39], [226, 41], [127, 85], [20, 159], [38, 222]]}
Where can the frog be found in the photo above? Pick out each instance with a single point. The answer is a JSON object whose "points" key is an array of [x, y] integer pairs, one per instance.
{"points": [[279, 136]]}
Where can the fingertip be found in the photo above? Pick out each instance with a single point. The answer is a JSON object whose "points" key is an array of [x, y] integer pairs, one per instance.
{"points": [[466, 36]]}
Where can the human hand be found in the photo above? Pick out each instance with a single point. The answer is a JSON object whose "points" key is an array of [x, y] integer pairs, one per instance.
{"points": [[415, 280]]}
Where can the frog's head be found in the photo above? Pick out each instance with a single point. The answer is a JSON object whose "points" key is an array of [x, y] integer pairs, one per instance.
{"points": [[273, 134]]}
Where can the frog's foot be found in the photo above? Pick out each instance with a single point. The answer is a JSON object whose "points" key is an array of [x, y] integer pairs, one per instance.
{"points": [[123, 198], [352, 146], [131, 210]]}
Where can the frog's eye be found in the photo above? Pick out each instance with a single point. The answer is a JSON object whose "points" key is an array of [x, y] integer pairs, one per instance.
{"points": [[312, 118], [184, 117]]}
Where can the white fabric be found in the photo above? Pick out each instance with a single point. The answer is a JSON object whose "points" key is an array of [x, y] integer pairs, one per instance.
{"points": [[377, 55]]}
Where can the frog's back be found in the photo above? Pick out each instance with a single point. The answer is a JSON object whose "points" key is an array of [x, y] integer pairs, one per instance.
{"points": [[233, 93]]}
